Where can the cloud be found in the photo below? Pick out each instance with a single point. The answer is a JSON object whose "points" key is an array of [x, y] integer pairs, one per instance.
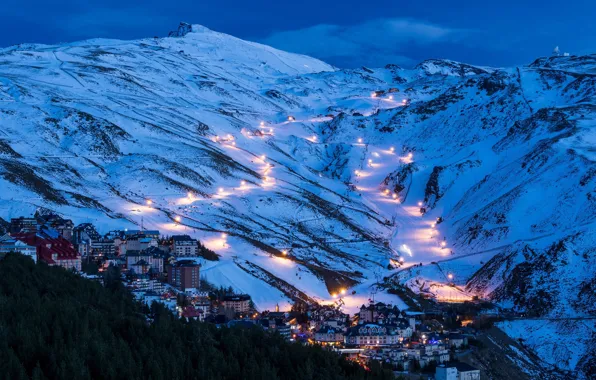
{"points": [[372, 43]]}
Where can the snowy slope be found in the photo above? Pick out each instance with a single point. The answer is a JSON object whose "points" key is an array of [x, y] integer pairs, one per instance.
{"points": [[198, 123]]}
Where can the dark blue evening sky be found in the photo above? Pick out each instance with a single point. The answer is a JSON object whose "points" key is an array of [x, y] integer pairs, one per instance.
{"points": [[346, 33]]}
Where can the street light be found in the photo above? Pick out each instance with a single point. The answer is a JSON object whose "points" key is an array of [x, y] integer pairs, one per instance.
{"points": [[149, 202], [177, 219], [360, 141]]}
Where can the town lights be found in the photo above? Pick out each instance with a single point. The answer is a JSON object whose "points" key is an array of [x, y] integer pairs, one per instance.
{"points": [[373, 94], [392, 149], [390, 97], [149, 202], [450, 276], [360, 141], [334, 295], [270, 130], [262, 123], [220, 190], [189, 194], [343, 291], [357, 172], [177, 219], [386, 191], [291, 118], [410, 155], [420, 204], [284, 252], [443, 243], [433, 225], [224, 235], [401, 259], [370, 161], [263, 157], [314, 138], [243, 183], [404, 101], [394, 196]]}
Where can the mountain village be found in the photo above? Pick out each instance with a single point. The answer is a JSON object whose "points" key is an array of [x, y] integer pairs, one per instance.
{"points": [[414, 344]]}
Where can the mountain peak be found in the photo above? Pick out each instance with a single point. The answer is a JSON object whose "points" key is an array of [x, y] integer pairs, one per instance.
{"points": [[448, 67], [184, 28]]}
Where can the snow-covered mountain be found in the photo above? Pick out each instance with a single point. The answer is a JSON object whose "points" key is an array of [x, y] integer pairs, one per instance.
{"points": [[318, 175]]}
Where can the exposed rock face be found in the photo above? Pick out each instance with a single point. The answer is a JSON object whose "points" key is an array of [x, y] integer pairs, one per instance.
{"points": [[183, 29], [400, 179]]}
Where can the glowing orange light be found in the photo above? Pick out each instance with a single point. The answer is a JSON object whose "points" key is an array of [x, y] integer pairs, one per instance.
{"points": [[177, 219], [149, 202]]}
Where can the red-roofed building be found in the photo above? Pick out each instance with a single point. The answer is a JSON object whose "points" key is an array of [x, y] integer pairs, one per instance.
{"points": [[52, 248], [190, 312]]}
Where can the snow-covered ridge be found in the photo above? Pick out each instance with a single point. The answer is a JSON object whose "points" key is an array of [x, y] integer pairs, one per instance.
{"points": [[504, 156]]}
